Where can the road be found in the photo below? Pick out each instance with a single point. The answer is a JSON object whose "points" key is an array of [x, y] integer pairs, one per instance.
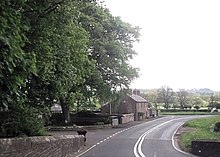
{"points": [[149, 139]]}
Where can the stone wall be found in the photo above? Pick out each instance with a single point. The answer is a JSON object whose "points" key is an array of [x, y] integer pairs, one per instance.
{"points": [[206, 148], [127, 118], [41, 146]]}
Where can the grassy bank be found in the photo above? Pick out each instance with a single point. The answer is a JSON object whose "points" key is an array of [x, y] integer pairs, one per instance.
{"points": [[199, 129]]}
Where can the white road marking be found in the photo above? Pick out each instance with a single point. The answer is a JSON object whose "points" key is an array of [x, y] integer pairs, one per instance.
{"points": [[137, 147], [86, 151], [173, 142], [155, 154], [107, 138]]}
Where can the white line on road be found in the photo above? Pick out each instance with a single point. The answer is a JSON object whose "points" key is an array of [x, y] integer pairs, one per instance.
{"points": [[107, 138], [173, 142], [137, 147]]}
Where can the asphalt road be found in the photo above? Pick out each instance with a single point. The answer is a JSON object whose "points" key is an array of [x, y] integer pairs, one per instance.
{"points": [[149, 139]]}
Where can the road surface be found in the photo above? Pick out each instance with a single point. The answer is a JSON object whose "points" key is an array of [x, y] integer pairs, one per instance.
{"points": [[149, 139]]}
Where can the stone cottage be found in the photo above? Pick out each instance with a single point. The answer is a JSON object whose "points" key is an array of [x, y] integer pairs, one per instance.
{"points": [[130, 104]]}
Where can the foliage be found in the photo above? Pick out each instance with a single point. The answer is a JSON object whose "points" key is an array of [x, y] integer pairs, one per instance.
{"points": [[71, 52], [110, 46], [15, 64], [217, 127], [182, 98], [15, 67], [60, 45], [196, 100], [21, 122], [166, 96], [203, 129], [152, 97], [196, 107], [185, 112]]}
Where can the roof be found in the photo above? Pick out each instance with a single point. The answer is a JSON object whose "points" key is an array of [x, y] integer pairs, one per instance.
{"points": [[137, 98]]}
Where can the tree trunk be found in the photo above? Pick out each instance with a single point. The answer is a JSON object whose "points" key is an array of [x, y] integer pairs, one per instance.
{"points": [[65, 110], [166, 105]]}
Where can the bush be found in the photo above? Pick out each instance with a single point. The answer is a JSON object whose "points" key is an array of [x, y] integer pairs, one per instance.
{"points": [[81, 118], [196, 107], [185, 110], [217, 127], [22, 122]]}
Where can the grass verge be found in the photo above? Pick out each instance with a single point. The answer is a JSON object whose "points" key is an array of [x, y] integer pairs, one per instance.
{"points": [[199, 129]]}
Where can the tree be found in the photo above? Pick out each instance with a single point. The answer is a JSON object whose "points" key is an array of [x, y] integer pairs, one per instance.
{"points": [[111, 47], [16, 64], [14, 61], [196, 107], [182, 98], [165, 95], [60, 50], [196, 100], [60, 46], [152, 96]]}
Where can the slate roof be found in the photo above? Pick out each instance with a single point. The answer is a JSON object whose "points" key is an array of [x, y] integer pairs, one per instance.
{"points": [[137, 98]]}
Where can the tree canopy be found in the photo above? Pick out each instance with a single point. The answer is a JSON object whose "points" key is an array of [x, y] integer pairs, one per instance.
{"points": [[71, 52]]}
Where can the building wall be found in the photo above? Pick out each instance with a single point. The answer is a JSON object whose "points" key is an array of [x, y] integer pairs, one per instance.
{"points": [[142, 108], [127, 118], [105, 108], [127, 106]]}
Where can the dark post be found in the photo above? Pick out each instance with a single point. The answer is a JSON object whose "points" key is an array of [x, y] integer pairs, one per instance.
{"points": [[82, 132]]}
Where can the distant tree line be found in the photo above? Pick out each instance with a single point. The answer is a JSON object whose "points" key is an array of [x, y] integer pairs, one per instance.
{"points": [[69, 51], [182, 99]]}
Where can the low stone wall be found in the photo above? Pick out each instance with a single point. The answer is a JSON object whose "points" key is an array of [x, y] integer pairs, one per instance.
{"points": [[127, 118], [206, 148], [42, 146]]}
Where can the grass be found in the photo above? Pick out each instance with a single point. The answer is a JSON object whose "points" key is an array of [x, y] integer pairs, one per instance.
{"points": [[200, 129]]}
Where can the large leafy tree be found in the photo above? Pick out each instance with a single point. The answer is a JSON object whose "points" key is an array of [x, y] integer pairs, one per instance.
{"points": [[16, 64], [64, 50], [60, 46], [152, 96], [111, 47], [183, 98], [165, 95]]}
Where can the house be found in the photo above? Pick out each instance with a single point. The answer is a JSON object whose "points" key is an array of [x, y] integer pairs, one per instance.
{"points": [[129, 104], [134, 104]]}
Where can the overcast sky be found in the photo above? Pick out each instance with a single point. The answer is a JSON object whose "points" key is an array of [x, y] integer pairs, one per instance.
{"points": [[180, 41]]}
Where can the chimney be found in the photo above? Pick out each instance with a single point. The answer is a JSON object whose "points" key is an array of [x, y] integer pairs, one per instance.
{"points": [[137, 92]]}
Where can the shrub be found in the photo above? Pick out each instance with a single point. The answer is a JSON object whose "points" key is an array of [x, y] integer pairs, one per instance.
{"points": [[217, 127], [196, 107], [20, 122], [185, 110]]}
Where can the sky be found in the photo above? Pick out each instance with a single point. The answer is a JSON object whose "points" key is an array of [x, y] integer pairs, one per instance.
{"points": [[179, 44]]}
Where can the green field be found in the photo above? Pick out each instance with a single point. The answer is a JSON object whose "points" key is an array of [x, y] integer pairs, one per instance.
{"points": [[200, 129]]}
